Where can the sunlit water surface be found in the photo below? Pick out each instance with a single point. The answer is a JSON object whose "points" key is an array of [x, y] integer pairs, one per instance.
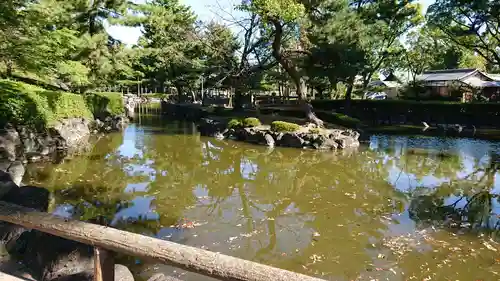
{"points": [[339, 216]]}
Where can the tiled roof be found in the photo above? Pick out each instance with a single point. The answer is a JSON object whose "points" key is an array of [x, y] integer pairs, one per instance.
{"points": [[495, 77], [446, 75]]}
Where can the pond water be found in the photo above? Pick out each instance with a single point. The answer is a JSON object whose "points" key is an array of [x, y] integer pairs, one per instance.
{"points": [[398, 208]]}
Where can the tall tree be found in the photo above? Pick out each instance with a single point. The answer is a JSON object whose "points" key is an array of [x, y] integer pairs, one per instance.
{"points": [[337, 54], [220, 47], [289, 43], [171, 44], [474, 25], [386, 22]]}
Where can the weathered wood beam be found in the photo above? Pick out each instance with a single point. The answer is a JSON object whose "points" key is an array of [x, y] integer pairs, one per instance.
{"points": [[7, 277], [196, 260]]}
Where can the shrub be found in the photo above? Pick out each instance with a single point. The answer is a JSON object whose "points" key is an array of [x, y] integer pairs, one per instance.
{"points": [[29, 105], [314, 131], [281, 126], [251, 122], [233, 124], [105, 104]]}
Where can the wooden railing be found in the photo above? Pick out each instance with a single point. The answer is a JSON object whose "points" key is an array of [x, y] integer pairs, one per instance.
{"points": [[107, 240]]}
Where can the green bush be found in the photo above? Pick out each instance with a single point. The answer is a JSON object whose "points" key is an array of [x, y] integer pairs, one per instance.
{"points": [[282, 126], [234, 124], [314, 131], [251, 122], [105, 104], [25, 104], [339, 119]]}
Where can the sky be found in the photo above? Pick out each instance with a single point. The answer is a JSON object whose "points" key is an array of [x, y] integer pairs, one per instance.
{"points": [[205, 9]]}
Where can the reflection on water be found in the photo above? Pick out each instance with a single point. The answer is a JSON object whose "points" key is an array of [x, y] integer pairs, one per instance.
{"points": [[399, 209]]}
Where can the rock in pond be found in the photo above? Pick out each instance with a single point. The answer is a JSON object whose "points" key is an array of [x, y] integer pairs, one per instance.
{"points": [[122, 273], [290, 140], [211, 127], [26, 196], [50, 257], [10, 144], [308, 136]]}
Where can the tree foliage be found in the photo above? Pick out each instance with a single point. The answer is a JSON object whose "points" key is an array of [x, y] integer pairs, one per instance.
{"points": [[474, 25], [297, 44]]}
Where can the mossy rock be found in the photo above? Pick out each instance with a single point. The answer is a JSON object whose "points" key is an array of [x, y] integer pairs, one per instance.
{"points": [[234, 124], [251, 122], [282, 126]]}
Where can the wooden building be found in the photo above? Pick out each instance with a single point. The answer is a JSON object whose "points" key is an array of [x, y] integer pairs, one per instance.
{"points": [[460, 84]]}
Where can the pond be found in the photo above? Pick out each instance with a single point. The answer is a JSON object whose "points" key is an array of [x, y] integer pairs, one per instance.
{"points": [[398, 208]]}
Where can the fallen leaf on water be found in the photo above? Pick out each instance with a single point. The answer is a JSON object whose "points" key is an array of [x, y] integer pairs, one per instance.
{"points": [[489, 246], [316, 234]]}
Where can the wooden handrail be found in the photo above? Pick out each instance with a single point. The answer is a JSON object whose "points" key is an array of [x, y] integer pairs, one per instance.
{"points": [[196, 260]]}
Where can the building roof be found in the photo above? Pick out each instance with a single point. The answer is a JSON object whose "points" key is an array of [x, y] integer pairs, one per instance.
{"points": [[495, 77], [385, 83], [447, 74], [392, 77]]}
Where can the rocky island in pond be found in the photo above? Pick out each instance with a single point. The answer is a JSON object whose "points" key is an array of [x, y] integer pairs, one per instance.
{"points": [[279, 133]]}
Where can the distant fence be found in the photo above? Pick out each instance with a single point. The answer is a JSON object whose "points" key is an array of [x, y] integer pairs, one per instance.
{"points": [[273, 100], [107, 240]]}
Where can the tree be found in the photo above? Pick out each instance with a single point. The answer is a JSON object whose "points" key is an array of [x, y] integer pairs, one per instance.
{"points": [[171, 45], [429, 48], [335, 53], [49, 40], [219, 48], [386, 22], [254, 58], [421, 53], [474, 25], [289, 43]]}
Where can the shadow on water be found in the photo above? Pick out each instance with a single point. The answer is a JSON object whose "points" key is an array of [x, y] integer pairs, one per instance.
{"points": [[389, 211]]}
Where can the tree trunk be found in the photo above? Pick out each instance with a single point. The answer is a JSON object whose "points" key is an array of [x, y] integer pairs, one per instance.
{"points": [[238, 99], [293, 71], [9, 69], [193, 96], [348, 95]]}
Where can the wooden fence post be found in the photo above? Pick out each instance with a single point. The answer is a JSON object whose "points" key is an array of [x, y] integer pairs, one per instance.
{"points": [[104, 265]]}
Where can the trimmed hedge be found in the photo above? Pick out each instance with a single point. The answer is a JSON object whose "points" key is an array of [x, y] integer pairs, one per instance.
{"points": [[25, 104], [282, 126], [105, 104], [251, 122], [234, 124], [330, 117], [415, 112]]}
